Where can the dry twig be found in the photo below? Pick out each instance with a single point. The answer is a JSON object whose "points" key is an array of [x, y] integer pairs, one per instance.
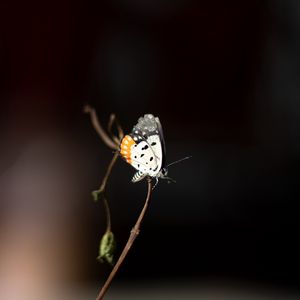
{"points": [[133, 234], [113, 142]]}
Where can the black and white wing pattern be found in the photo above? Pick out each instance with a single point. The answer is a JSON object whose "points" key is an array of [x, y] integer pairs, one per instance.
{"points": [[144, 147]]}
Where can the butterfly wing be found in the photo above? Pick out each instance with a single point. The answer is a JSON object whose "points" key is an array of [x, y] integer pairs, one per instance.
{"points": [[143, 148]]}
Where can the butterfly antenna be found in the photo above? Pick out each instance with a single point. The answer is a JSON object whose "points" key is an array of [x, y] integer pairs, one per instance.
{"points": [[177, 161]]}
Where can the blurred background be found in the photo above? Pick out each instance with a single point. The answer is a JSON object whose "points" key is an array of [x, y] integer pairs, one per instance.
{"points": [[223, 77]]}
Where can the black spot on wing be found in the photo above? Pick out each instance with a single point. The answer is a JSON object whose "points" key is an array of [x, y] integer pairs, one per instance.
{"points": [[145, 147], [142, 155], [153, 143], [151, 158]]}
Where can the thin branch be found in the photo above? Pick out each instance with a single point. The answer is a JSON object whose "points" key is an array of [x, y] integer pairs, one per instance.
{"points": [[102, 189], [108, 172], [100, 193], [108, 214], [97, 126], [133, 234], [113, 142], [113, 119]]}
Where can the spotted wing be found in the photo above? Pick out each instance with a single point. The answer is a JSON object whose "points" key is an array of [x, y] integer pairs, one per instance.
{"points": [[144, 158], [143, 148], [139, 155], [148, 132]]}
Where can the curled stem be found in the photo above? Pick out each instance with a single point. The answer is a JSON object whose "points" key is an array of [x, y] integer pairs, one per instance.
{"points": [[113, 143], [133, 234], [113, 119], [96, 124]]}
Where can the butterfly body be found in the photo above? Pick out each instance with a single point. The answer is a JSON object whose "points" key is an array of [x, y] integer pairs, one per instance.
{"points": [[144, 149]]}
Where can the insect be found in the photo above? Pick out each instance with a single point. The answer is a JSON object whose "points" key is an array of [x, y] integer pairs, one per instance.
{"points": [[144, 149]]}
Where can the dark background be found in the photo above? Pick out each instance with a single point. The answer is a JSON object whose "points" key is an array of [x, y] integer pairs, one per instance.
{"points": [[223, 77]]}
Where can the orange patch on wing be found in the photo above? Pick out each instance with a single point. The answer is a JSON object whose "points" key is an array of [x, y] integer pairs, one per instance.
{"points": [[125, 148]]}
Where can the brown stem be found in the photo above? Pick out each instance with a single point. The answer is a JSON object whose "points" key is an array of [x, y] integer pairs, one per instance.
{"points": [[113, 142], [133, 234], [107, 213], [108, 172], [102, 190], [113, 119], [96, 124]]}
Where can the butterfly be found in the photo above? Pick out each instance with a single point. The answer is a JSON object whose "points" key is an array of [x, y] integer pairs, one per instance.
{"points": [[144, 149]]}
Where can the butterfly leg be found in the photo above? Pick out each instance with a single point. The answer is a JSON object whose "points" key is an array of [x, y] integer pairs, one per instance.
{"points": [[155, 184]]}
